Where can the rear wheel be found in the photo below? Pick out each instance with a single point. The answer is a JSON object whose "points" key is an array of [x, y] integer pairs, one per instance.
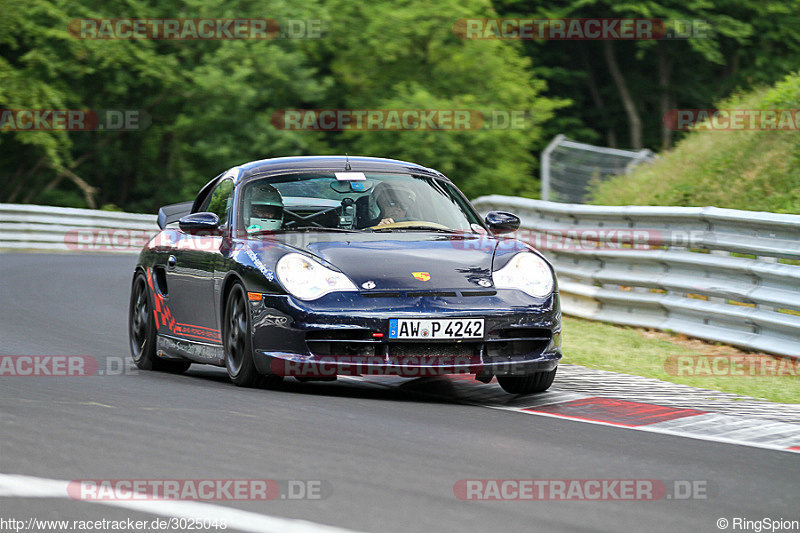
{"points": [[538, 382], [142, 332], [237, 340]]}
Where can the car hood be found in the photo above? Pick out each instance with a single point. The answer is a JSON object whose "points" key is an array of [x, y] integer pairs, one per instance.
{"points": [[413, 261]]}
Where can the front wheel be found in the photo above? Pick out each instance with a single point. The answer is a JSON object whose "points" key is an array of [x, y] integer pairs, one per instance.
{"points": [[238, 341], [532, 383]]}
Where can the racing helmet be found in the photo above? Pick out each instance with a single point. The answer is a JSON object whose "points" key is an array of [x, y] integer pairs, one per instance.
{"points": [[265, 211], [388, 195]]}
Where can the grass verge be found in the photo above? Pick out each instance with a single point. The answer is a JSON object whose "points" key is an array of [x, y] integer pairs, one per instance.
{"points": [[654, 354], [751, 169]]}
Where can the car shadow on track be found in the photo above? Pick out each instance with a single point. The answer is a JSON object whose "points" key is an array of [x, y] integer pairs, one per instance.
{"points": [[435, 389]]}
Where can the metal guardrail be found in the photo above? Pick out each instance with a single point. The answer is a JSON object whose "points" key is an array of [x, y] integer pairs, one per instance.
{"points": [[717, 274], [668, 268], [568, 167], [62, 228]]}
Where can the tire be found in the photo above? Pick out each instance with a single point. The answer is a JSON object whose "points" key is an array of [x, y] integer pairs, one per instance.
{"points": [[237, 340], [142, 332], [532, 383]]}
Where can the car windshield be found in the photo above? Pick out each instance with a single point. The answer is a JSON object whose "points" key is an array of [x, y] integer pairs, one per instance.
{"points": [[354, 201]]}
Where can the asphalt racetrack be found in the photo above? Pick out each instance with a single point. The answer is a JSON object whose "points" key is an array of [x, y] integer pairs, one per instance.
{"points": [[388, 455]]}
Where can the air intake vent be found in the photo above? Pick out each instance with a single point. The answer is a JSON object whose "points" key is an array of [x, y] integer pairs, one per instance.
{"points": [[339, 335], [342, 342], [525, 333], [161, 280], [425, 294], [434, 349], [432, 294], [517, 341], [478, 293]]}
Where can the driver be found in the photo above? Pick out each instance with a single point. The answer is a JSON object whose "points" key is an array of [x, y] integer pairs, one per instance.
{"points": [[394, 202], [266, 209]]}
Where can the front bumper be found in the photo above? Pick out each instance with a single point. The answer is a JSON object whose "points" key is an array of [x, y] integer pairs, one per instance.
{"points": [[347, 334]]}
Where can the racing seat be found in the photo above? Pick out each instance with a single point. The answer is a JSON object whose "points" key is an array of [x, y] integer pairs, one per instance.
{"points": [[363, 220]]}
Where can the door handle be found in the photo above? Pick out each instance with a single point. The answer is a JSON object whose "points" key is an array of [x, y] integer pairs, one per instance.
{"points": [[171, 261]]}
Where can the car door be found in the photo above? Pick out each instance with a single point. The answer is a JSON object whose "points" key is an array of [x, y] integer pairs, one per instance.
{"points": [[190, 271]]}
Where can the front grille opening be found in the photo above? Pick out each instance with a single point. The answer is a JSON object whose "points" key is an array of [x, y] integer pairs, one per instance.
{"points": [[344, 349], [342, 342], [425, 294], [509, 348], [434, 349], [524, 333], [478, 293], [520, 341], [432, 294], [339, 334], [503, 343]]}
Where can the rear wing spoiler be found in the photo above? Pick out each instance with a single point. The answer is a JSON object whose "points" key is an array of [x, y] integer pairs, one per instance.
{"points": [[173, 213]]}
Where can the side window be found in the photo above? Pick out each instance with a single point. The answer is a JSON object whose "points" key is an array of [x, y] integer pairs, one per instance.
{"points": [[219, 201]]}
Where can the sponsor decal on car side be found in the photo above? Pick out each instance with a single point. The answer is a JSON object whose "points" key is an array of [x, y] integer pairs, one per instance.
{"points": [[269, 274], [164, 317]]}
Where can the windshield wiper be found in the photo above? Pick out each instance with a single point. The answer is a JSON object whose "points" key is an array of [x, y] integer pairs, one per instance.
{"points": [[415, 228], [281, 231], [318, 228]]}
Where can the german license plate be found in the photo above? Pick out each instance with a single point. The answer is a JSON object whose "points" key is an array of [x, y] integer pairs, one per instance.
{"points": [[436, 328]]}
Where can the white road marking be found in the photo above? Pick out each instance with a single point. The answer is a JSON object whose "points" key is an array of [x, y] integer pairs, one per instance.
{"points": [[710, 426], [654, 428], [18, 486]]}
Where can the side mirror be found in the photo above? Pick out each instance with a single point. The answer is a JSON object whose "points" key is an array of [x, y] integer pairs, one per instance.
{"points": [[199, 222], [173, 213], [502, 222]]}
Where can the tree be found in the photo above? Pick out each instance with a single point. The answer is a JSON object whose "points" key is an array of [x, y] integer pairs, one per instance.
{"points": [[735, 45], [407, 57]]}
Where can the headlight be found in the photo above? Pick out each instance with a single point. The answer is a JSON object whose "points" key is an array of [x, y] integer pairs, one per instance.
{"points": [[527, 272], [306, 279]]}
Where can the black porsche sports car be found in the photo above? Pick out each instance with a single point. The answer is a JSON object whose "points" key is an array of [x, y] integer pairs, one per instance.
{"points": [[316, 267]]}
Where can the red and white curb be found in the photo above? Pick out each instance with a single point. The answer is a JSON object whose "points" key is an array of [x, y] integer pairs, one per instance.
{"points": [[630, 402], [692, 423]]}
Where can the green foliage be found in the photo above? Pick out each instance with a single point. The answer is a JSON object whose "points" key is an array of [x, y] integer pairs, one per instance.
{"points": [[742, 44], [413, 60], [754, 170], [211, 102]]}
